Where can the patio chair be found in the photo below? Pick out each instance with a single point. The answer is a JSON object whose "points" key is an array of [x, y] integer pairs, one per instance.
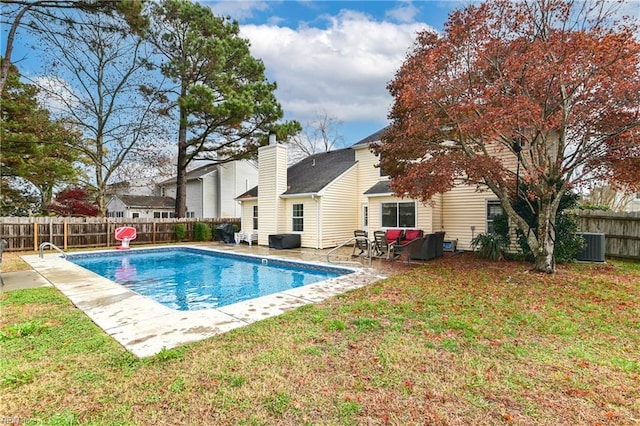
{"points": [[381, 246], [412, 249], [361, 242], [431, 247], [409, 236]]}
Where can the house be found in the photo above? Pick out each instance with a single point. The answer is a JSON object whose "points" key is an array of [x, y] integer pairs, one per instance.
{"points": [[211, 189], [141, 206], [327, 196]]}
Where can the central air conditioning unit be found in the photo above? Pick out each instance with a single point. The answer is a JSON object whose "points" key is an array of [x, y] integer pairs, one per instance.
{"points": [[593, 250]]}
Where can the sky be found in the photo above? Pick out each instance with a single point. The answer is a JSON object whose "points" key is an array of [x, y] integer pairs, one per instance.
{"points": [[328, 58], [334, 58]]}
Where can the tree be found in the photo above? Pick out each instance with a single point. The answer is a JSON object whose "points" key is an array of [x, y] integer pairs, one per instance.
{"points": [[16, 198], [551, 85], [35, 148], [97, 67], [321, 134], [223, 103], [13, 13], [74, 201]]}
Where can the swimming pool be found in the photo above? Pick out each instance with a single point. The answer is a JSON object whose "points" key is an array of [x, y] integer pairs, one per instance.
{"points": [[188, 279], [144, 326]]}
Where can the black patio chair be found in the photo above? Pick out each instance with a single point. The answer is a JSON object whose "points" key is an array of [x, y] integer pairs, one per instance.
{"points": [[361, 242], [381, 246]]}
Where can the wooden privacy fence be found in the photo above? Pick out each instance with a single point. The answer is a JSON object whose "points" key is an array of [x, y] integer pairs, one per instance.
{"points": [[622, 231], [27, 233]]}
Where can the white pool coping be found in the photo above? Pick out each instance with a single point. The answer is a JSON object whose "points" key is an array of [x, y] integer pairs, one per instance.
{"points": [[144, 326]]}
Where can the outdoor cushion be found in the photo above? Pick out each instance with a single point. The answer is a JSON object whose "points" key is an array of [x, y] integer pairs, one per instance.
{"points": [[393, 235], [412, 234]]}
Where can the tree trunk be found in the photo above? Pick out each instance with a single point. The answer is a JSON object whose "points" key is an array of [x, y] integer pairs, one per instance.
{"points": [[181, 178], [543, 248]]}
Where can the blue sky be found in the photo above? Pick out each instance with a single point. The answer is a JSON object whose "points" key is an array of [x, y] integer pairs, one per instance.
{"points": [[327, 57], [335, 57]]}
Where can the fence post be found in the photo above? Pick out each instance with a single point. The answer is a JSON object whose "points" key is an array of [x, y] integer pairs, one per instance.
{"points": [[65, 227], [35, 236]]}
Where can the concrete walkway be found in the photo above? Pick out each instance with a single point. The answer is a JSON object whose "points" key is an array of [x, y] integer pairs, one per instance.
{"points": [[20, 280]]}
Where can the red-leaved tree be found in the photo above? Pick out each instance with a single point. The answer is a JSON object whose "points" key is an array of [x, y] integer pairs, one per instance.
{"points": [[75, 201], [553, 83]]}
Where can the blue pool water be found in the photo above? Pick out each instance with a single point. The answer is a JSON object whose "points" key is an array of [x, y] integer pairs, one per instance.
{"points": [[189, 279]]}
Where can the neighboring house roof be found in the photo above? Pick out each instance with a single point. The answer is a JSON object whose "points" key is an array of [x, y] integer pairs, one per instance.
{"points": [[380, 188], [375, 137], [313, 173], [193, 174], [147, 201]]}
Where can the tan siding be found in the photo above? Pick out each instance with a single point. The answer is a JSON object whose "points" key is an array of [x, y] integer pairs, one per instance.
{"points": [[272, 173], [308, 237], [340, 210], [246, 220], [463, 207], [368, 175]]}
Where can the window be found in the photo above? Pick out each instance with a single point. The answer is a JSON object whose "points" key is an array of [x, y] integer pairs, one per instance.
{"points": [[191, 214], [399, 215], [493, 209], [383, 173], [135, 215], [255, 218], [115, 214], [298, 217], [163, 215]]}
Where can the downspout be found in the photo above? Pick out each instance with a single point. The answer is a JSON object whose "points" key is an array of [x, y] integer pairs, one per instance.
{"points": [[315, 198]]}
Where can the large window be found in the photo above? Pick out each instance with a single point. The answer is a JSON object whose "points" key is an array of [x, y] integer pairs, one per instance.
{"points": [[255, 218], [493, 209], [115, 214], [399, 215], [298, 217]]}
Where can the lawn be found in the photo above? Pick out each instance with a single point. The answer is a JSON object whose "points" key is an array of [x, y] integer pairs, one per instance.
{"points": [[453, 341]]}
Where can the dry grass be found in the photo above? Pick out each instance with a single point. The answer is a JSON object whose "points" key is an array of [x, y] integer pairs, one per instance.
{"points": [[11, 261], [456, 341]]}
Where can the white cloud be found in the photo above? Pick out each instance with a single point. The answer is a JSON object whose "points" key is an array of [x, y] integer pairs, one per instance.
{"points": [[343, 68], [55, 94], [237, 9], [405, 12]]}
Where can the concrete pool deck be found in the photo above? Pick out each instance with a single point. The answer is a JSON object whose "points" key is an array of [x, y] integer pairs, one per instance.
{"points": [[145, 327]]}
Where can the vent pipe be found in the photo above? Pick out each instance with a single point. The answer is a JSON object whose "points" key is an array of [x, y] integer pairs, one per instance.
{"points": [[272, 138]]}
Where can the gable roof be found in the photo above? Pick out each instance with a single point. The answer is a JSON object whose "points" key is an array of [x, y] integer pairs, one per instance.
{"points": [[147, 201], [382, 187], [374, 137], [193, 174], [313, 173]]}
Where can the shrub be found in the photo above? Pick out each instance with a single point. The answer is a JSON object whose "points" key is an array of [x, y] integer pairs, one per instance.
{"points": [[490, 246], [201, 232], [181, 231]]}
